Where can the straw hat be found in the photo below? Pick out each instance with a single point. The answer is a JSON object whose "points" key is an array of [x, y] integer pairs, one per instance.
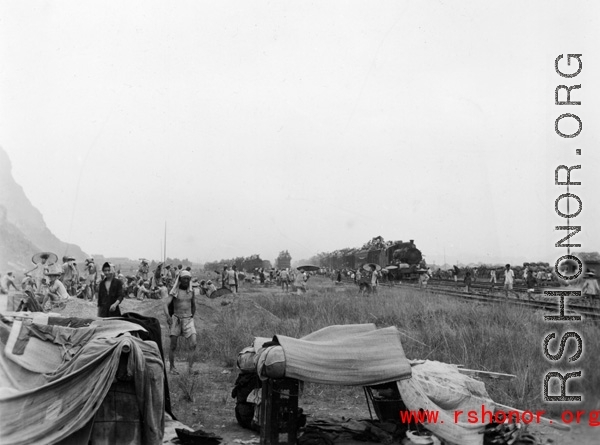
{"points": [[50, 258], [371, 266]]}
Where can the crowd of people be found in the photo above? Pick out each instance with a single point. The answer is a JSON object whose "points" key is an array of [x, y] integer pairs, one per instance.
{"points": [[50, 285]]}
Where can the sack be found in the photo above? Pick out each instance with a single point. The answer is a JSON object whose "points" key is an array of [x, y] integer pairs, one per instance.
{"points": [[271, 363], [245, 359]]}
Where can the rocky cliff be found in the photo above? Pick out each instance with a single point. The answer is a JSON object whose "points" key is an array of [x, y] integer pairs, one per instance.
{"points": [[23, 230]]}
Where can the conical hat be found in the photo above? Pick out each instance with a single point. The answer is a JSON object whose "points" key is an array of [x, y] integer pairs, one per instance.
{"points": [[50, 257]]}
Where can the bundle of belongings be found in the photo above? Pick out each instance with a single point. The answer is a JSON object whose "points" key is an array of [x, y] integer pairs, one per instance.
{"points": [[73, 380], [363, 355], [198, 437]]}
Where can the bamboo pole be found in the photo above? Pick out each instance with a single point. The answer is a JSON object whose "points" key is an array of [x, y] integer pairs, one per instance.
{"points": [[554, 424], [493, 375]]}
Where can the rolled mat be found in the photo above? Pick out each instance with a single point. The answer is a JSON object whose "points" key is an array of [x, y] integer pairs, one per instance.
{"points": [[355, 355]]}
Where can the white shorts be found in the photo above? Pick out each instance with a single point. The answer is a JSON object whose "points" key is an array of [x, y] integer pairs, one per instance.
{"points": [[182, 326]]}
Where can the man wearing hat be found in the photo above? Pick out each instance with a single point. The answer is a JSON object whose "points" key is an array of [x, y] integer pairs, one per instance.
{"points": [[110, 293], [70, 275], [56, 289], [143, 270], [39, 271], [590, 288], [181, 318]]}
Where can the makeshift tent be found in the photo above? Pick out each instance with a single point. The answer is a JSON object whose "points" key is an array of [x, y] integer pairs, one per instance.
{"points": [[346, 355], [363, 355], [54, 378]]}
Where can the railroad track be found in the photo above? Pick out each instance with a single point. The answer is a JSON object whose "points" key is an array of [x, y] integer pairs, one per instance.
{"points": [[586, 311], [481, 285]]}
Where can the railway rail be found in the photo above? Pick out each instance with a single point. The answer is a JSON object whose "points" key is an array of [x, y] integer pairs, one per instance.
{"points": [[444, 288]]}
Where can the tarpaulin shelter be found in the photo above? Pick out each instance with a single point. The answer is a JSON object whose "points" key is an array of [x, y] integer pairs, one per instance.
{"points": [[362, 355], [55, 374]]}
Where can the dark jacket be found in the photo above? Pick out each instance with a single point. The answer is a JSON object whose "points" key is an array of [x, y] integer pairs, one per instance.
{"points": [[107, 299]]}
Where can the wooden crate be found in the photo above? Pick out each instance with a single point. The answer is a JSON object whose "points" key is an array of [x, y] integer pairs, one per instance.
{"points": [[279, 411]]}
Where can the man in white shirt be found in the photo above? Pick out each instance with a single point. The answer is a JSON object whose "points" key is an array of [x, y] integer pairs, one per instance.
{"points": [[509, 279]]}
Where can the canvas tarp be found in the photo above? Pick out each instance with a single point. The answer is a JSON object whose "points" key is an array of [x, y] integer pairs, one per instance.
{"points": [[440, 387], [355, 355], [51, 407]]}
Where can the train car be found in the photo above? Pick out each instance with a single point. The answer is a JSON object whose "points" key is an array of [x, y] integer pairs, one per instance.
{"points": [[348, 261], [284, 260], [252, 263], [404, 255]]}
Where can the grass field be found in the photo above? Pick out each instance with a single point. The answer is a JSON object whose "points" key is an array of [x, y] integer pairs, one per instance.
{"points": [[500, 338]]}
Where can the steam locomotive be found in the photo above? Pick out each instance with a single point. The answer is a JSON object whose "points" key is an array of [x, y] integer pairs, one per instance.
{"points": [[405, 258]]}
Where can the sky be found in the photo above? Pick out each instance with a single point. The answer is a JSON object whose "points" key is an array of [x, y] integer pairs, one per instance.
{"points": [[253, 127]]}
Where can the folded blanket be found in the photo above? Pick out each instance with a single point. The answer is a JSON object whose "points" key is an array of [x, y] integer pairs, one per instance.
{"points": [[356, 355]]}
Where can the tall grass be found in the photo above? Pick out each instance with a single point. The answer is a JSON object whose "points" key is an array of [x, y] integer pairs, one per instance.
{"points": [[501, 338]]}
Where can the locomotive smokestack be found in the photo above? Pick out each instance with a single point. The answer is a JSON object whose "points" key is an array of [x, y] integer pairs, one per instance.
{"points": [[412, 241]]}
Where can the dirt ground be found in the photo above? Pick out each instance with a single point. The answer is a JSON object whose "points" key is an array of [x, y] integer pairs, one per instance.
{"points": [[213, 410]]}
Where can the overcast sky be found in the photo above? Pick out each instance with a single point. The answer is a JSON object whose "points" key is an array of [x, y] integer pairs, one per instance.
{"points": [[254, 127]]}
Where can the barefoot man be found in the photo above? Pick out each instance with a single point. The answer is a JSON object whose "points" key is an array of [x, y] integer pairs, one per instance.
{"points": [[181, 318]]}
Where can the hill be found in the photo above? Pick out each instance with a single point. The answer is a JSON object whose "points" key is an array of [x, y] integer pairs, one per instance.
{"points": [[23, 230]]}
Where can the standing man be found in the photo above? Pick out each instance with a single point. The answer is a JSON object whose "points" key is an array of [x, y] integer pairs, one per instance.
{"points": [[224, 280], [509, 279], [493, 280], [231, 279], [237, 278], [90, 273], [468, 281], [284, 276], [455, 273], [181, 318], [530, 282], [590, 288], [143, 270], [110, 293], [68, 274], [39, 271], [374, 279]]}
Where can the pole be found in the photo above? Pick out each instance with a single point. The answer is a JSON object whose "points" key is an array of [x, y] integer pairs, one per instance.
{"points": [[165, 249]]}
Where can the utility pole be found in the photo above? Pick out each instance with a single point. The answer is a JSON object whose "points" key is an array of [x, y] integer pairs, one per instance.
{"points": [[165, 249]]}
